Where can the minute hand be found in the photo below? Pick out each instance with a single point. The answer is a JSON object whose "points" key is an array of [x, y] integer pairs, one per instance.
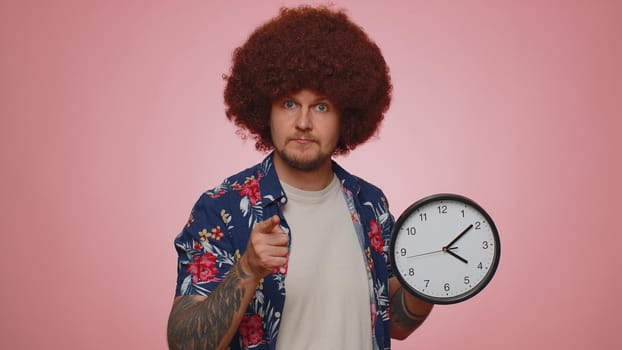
{"points": [[459, 236]]}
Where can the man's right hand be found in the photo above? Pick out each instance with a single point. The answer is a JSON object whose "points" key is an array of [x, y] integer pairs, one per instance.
{"points": [[201, 322], [267, 248]]}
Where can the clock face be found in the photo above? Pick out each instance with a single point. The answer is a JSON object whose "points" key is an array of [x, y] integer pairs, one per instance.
{"points": [[445, 248]]}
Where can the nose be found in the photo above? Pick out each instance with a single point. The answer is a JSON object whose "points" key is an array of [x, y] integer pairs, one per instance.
{"points": [[303, 122]]}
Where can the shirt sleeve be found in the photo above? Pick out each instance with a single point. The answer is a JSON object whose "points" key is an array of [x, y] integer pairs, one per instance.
{"points": [[387, 228], [205, 248]]}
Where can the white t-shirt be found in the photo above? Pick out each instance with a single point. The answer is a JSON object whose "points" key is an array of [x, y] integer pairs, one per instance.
{"points": [[327, 292]]}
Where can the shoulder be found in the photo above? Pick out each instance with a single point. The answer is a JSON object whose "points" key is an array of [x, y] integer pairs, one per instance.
{"points": [[231, 186], [365, 190], [218, 206], [373, 197], [369, 188]]}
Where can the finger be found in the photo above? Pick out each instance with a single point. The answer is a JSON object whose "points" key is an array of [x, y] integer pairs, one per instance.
{"points": [[277, 252], [278, 240], [268, 225], [278, 262], [274, 227], [281, 254]]}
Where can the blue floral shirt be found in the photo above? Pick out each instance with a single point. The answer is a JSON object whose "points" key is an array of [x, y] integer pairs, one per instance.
{"points": [[217, 232]]}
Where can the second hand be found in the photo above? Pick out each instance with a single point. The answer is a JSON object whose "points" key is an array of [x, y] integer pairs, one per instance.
{"points": [[428, 253]]}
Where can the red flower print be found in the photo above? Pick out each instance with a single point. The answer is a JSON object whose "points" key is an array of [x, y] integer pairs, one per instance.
{"points": [[217, 233], [203, 269], [197, 246], [374, 236], [250, 330], [251, 189]]}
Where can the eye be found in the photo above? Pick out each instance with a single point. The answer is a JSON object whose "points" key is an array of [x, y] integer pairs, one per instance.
{"points": [[289, 104], [322, 107]]}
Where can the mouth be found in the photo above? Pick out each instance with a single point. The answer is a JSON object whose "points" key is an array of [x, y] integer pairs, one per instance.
{"points": [[302, 140]]}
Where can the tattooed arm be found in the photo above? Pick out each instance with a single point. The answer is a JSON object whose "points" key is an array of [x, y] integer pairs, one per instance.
{"points": [[407, 311], [199, 322]]}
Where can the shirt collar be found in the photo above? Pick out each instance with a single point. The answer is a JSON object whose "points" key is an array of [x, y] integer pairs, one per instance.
{"points": [[271, 188], [349, 181]]}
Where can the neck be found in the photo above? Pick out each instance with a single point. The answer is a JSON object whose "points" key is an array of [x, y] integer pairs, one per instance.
{"points": [[312, 180]]}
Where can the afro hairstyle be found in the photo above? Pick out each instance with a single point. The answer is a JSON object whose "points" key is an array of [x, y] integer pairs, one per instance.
{"points": [[312, 48]]}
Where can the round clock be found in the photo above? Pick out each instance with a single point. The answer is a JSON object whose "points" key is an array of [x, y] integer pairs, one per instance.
{"points": [[445, 248]]}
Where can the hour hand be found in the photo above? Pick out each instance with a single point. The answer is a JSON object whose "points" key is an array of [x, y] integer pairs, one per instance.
{"points": [[456, 256]]}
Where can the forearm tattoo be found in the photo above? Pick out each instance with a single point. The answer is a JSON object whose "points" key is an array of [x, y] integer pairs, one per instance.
{"points": [[401, 315], [202, 324]]}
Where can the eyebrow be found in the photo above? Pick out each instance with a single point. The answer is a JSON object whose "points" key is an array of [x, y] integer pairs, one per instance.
{"points": [[322, 99]]}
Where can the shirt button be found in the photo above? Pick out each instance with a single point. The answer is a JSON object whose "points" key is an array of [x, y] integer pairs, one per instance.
{"points": [[283, 200], [277, 314]]}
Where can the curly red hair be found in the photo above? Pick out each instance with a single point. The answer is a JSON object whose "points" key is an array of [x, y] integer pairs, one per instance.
{"points": [[312, 48]]}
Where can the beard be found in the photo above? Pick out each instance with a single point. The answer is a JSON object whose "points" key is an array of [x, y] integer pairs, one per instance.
{"points": [[303, 162]]}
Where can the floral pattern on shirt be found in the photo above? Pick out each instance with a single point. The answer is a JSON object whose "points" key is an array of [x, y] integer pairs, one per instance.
{"points": [[375, 236], [216, 235], [203, 268], [251, 331]]}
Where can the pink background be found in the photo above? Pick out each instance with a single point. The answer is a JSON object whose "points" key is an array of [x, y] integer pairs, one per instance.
{"points": [[112, 124]]}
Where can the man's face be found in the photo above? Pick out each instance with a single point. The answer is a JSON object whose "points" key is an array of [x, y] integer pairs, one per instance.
{"points": [[305, 130]]}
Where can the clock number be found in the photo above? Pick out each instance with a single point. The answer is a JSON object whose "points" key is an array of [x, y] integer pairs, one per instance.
{"points": [[462, 211], [467, 280], [480, 266], [477, 225], [411, 272], [427, 283], [485, 244], [403, 252], [423, 217], [446, 287], [411, 230], [442, 209]]}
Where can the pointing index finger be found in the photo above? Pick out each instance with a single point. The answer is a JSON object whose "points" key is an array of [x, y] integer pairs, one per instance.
{"points": [[269, 225]]}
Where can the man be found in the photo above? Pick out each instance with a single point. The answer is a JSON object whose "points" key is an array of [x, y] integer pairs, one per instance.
{"points": [[293, 252]]}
